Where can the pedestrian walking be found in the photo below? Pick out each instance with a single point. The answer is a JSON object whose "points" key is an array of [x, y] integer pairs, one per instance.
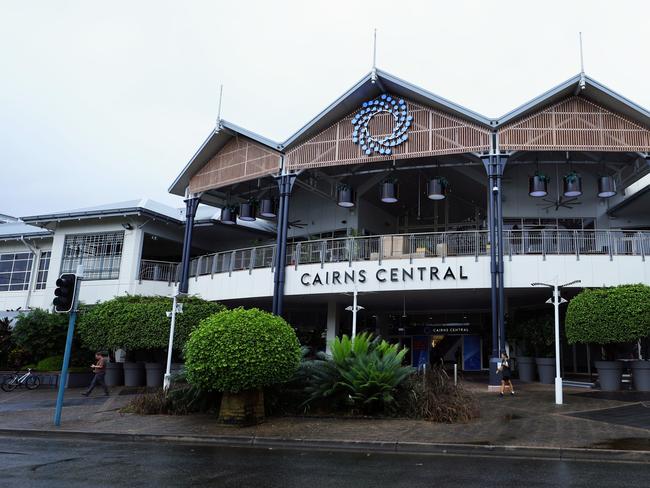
{"points": [[99, 368], [504, 369]]}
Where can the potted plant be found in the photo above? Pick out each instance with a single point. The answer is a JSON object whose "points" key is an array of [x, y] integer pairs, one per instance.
{"points": [[139, 325], [239, 352], [608, 317]]}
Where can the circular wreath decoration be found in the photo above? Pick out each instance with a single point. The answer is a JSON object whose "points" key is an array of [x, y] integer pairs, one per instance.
{"points": [[371, 144]]}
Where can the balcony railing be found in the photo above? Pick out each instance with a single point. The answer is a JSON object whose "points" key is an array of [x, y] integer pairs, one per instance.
{"points": [[411, 246]]}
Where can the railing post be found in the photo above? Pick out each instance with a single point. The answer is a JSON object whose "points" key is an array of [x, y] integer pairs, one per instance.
{"points": [[411, 249], [198, 268], [445, 245], [252, 264], [273, 258], [609, 245], [296, 254], [557, 239], [477, 243], [231, 264], [523, 244], [215, 263], [350, 250], [576, 245], [381, 249], [509, 240], [543, 245], [323, 250]]}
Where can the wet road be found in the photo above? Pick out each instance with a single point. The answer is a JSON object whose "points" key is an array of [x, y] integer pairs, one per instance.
{"points": [[35, 462]]}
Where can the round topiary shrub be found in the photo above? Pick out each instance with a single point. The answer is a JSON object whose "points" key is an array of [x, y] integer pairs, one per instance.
{"points": [[609, 315], [241, 349], [136, 322]]}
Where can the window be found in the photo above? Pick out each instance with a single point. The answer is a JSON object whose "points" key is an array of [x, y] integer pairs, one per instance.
{"points": [[43, 267], [100, 255], [15, 271]]}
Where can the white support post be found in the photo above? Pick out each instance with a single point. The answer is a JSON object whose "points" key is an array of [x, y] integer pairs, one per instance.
{"points": [[172, 314], [354, 313], [558, 374]]}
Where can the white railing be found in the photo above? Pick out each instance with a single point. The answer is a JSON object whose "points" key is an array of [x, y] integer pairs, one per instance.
{"points": [[411, 246]]}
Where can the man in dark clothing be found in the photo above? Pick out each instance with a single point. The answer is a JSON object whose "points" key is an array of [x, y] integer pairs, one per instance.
{"points": [[99, 368]]}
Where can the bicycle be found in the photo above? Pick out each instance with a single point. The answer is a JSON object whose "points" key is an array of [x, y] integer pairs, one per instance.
{"points": [[30, 381]]}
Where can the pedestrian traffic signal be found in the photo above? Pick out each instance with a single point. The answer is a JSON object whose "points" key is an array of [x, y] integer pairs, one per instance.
{"points": [[64, 293]]}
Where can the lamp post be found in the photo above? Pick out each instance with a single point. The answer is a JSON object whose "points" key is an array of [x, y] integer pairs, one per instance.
{"points": [[176, 308], [354, 309], [556, 301]]}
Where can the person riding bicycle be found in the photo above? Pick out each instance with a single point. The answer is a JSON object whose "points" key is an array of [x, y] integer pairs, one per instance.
{"points": [[99, 368]]}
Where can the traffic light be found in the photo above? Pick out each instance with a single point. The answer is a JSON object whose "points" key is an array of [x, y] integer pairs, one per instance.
{"points": [[64, 293]]}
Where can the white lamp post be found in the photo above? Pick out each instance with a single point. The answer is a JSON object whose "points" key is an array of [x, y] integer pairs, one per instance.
{"points": [[556, 301], [354, 309]]}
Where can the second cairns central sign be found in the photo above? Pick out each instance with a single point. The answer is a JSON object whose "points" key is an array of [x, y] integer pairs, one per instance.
{"points": [[382, 275]]}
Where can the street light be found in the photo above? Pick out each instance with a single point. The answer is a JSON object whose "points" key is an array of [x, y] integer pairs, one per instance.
{"points": [[556, 301], [354, 308]]}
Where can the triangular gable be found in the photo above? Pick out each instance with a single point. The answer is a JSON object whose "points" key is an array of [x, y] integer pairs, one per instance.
{"points": [[431, 133], [238, 160], [574, 124]]}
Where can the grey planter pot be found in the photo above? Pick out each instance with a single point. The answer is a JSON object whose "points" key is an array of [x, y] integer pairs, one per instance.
{"points": [[526, 368], [610, 374], [546, 370], [155, 373], [641, 375], [114, 374], [134, 374]]}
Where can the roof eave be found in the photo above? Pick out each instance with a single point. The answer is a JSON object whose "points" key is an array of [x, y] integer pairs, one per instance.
{"points": [[120, 212]]}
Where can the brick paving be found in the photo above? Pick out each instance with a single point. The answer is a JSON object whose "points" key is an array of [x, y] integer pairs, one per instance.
{"points": [[530, 419]]}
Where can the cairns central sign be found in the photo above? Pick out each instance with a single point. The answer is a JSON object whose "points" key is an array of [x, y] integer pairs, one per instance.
{"points": [[383, 275]]}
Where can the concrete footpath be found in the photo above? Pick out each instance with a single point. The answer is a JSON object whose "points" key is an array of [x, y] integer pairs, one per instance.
{"points": [[591, 425]]}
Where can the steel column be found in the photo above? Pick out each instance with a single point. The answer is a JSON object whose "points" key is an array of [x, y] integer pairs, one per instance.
{"points": [[499, 228], [285, 182], [191, 204]]}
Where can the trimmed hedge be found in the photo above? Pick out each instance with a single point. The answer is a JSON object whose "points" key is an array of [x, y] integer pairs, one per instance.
{"points": [[40, 334], [137, 322], [241, 349], [609, 315]]}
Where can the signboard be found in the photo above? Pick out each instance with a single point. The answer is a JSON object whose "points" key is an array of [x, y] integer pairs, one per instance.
{"points": [[471, 353], [383, 275]]}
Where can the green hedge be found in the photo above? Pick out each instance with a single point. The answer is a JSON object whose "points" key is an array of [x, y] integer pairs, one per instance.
{"points": [[609, 315], [136, 322], [40, 334], [241, 349]]}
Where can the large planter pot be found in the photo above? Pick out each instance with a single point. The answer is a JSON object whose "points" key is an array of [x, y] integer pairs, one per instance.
{"points": [[526, 368], [546, 370], [641, 375], [114, 374], [154, 374], [78, 380], [134, 374], [243, 408], [610, 374]]}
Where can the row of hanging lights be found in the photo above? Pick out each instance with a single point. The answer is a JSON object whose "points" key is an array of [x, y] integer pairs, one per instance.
{"points": [[572, 185], [248, 211], [389, 191]]}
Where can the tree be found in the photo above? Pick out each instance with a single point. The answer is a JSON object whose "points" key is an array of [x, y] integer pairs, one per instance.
{"points": [[608, 316], [241, 349], [40, 334], [137, 322]]}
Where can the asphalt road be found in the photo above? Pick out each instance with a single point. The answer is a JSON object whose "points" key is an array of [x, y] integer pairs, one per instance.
{"points": [[35, 462]]}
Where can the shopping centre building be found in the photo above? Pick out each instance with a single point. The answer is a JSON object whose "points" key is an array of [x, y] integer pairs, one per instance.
{"points": [[437, 218]]}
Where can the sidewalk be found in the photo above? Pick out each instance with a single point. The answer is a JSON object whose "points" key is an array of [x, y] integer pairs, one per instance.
{"points": [[528, 420]]}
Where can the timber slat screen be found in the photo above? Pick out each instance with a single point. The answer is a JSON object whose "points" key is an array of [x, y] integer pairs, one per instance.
{"points": [[432, 133], [575, 124], [239, 160]]}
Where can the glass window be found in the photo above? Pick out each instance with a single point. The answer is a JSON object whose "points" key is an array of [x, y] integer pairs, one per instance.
{"points": [[43, 267], [100, 254], [15, 271]]}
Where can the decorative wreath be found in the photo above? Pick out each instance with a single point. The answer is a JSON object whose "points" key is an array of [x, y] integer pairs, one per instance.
{"points": [[381, 145]]}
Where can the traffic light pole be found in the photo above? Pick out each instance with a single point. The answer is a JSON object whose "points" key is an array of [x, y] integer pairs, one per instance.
{"points": [[68, 349]]}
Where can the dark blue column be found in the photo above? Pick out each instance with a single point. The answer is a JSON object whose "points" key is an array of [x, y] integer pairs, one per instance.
{"points": [[191, 204], [285, 183]]}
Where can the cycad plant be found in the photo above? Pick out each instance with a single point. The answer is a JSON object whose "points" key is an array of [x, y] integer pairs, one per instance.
{"points": [[361, 374]]}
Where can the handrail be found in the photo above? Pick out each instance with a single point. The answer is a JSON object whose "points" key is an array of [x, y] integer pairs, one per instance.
{"points": [[542, 242]]}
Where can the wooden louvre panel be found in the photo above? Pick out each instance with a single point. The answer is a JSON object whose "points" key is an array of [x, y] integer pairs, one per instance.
{"points": [[574, 124], [432, 133], [239, 160]]}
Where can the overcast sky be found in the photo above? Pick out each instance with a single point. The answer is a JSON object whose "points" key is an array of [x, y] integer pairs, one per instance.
{"points": [[107, 101]]}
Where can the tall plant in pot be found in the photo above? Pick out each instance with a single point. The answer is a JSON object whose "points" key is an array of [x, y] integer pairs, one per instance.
{"points": [[239, 352], [609, 317]]}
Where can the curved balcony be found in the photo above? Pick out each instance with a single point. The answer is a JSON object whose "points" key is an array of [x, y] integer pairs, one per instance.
{"points": [[442, 245]]}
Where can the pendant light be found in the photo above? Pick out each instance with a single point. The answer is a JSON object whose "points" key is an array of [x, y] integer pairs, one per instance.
{"points": [[389, 191], [267, 208], [345, 197], [437, 188], [606, 187], [228, 215], [538, 185], [572, 185], [247, 211]]}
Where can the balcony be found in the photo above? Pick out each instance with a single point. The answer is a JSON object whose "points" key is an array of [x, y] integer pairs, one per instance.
{"points": [[441, 245]]}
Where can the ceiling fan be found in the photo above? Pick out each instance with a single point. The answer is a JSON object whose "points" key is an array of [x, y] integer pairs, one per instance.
{"points": [[297, 224], [560, 200]]}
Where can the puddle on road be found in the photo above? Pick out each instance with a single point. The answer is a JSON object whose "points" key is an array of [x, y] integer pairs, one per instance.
{"points": [[626, 444]]}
